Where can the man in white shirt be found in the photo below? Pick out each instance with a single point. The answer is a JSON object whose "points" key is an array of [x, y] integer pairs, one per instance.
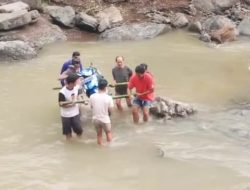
{"points": [[69, 110], [102, 104]]}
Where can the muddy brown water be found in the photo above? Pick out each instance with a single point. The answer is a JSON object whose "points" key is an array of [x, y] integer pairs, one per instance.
{"points": [[209, 150]]}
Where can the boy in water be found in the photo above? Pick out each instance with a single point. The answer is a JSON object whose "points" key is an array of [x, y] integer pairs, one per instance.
{"points": [[70, 114], [102, 104]]}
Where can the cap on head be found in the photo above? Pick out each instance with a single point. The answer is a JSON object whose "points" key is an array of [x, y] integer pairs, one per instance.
{"points": [[72, 78], [140, 69], [102, 83]]}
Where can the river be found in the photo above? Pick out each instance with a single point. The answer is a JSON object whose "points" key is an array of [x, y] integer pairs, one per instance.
{"points": [[208, 151]]}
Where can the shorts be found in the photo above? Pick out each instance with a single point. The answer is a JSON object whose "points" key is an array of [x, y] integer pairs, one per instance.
{"points": [[69, 123], [100, 125], [121, 90], [142, 103]]}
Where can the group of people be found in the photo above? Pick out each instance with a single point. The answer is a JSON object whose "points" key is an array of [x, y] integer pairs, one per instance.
{"points": [[125, 81]]}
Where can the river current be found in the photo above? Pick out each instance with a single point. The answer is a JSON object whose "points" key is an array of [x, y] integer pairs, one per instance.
{"points": [[209, 150]]}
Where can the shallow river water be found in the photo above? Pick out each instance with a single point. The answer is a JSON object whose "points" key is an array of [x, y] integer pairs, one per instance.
{"points": [[208, 151]]}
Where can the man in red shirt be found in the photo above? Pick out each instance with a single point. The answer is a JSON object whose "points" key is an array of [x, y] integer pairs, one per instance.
{"points": [[143, 84]]}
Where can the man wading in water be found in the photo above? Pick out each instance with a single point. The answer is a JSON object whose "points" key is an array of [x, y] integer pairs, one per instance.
{"points": [[143, 84], [70, 111], [102, 104], [121, 74]]}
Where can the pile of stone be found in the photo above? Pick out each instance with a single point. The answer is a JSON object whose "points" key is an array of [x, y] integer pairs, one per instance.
{"points": [[167, 108]]}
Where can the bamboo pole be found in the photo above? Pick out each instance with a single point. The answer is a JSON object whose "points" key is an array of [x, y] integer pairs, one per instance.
{"points": [[77, 102]]}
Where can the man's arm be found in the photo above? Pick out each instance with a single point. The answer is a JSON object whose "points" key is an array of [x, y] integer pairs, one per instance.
{"points": [[62, 101]]}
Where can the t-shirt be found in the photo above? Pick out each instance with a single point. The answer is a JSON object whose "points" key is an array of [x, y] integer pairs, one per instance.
{"points": [[121, 75], [100, 102], [142, 85], [69, 95]]}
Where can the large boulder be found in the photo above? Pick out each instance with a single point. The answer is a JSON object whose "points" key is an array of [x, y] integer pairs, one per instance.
{"points": [[64, 16], [167, 108], [33, 4], [213, 5], [179, 20], [244, 27], [86, 22], [247, 1], [36, 35], [14, 7], [135, 32], [221, 29], [17, 19], [16, 50], [108, 18], [203, 5]]}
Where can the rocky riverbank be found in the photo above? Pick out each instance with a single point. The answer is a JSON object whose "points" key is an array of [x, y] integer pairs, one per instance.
{"points": [[26, 26]]}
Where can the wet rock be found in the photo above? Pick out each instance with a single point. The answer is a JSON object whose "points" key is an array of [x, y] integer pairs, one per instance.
{"points": [[244, 27], [166, 108], [195, 27], [247, 1], [109, 18], [135, 32], [221, 29], [86, 22], [63, 16], [16, 50], [205, 37], [14, 7]]}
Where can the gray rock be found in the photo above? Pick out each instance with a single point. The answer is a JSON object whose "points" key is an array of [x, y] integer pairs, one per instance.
{"points": [[205, 37], [179, 20], [158, 18], [14, 7], [114, 1], [13, 20], [221, 29], [36, 35], [222, 5], [195, 27], [135, 32], [203, 5], [244, 27], [16, 50], [213, 5], [109, 18], [167, 108], [33, 4], [86, 22], [63, 16], [216, 23]]}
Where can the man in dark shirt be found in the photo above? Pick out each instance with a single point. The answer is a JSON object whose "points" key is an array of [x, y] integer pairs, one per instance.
{"points": [[121, 74], [67, 64]]}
